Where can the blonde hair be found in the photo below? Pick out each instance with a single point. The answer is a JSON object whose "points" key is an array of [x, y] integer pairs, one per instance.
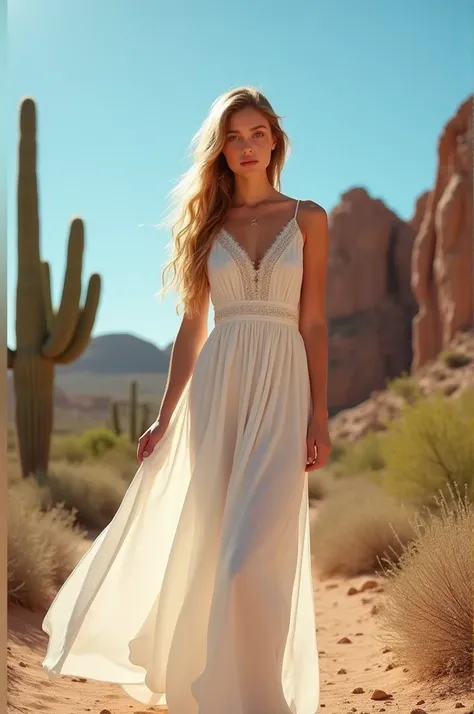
{"points": [[204, 194]]}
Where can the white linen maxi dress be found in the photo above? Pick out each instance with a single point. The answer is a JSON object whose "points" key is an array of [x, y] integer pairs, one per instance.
{"points": [[198, 594]]}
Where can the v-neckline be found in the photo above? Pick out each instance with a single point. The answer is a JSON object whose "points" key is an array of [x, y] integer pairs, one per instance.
{"points": [[272, 244]]}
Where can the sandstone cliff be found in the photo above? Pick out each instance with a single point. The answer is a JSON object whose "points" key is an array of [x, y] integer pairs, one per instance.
{"points": [[370, 304], [442, 261]]}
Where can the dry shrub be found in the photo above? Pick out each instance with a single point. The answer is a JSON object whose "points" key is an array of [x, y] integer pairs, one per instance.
{"points": [[320, 484], [42, 546], [430, 447], [355, 527], [428, 614], [93, 490], [123, 460], [454, 359]]}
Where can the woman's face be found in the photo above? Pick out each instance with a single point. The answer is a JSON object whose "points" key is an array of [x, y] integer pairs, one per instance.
{"points": [[249, 142]]}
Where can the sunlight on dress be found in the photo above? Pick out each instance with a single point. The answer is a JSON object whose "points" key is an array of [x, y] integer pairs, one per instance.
{"points": [[199, 593]]}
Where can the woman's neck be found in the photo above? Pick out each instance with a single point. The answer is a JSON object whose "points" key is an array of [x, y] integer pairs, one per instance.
{"points": [[251, 193]]}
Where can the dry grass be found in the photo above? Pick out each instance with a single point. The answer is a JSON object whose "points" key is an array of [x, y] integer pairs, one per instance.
{"points": [[42, 546], [427, 618], [93, 489], [320, 484], [355, 527]]}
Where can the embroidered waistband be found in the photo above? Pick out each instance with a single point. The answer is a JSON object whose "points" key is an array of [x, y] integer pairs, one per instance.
{"points": [[258, 309]]}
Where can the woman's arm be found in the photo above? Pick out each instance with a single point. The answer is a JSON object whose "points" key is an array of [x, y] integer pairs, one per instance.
{"points": [[189, 341], [313, 328]]}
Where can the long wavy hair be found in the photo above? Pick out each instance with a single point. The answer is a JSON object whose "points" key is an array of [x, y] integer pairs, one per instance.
{"points": [[203, 195]]}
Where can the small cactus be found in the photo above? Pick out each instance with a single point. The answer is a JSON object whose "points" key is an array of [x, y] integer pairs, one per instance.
{"points": [[44, 337], [135, 411], [115, 418]]}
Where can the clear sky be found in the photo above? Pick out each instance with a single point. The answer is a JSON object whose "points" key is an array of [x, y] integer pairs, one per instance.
{"points": [[122, 85]]}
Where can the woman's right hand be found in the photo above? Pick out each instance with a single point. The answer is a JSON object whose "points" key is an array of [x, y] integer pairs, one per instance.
{"points": [[149, 439]]}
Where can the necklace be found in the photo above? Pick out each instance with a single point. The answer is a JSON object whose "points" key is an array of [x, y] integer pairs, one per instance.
{"points": [[254, 221]]}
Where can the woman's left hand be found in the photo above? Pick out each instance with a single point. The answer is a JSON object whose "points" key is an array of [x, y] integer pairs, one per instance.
{"points": [[318, 444]]}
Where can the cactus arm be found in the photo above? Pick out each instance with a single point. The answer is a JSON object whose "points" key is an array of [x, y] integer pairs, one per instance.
{"points": [[66, 318], [11, 354], [85, 323], [48, 303], [30, 318]]}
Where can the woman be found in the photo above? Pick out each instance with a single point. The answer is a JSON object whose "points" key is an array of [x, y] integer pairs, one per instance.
{"points": [[199, 594]]}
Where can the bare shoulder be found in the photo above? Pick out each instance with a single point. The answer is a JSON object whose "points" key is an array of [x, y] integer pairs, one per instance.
{"points": [[312, 218]]}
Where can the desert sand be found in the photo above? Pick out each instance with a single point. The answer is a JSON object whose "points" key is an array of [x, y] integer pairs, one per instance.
{"points": [[350, 671]]}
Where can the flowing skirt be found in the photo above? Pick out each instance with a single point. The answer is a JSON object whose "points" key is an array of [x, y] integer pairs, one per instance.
{"points": [[199, 593]]}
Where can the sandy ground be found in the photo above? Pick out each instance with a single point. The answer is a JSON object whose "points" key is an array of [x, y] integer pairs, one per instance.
{"points": [[350, 672]]}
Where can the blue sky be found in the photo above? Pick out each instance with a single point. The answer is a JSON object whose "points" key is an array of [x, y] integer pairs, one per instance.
{"points": [[122, 85]]}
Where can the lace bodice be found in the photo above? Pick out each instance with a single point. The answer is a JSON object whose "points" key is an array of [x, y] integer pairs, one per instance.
{"points": [[273, 288]]}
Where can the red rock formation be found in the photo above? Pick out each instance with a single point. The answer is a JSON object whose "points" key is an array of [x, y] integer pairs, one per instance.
{"points": [[370, 305], [442, 260]]}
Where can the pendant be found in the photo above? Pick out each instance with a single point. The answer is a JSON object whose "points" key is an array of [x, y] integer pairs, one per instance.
{"points": [[254, 222]]}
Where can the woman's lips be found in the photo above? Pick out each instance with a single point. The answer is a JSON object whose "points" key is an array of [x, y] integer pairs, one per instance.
{"points": [[247, 162]]}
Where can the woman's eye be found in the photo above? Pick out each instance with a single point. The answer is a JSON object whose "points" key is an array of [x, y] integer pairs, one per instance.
{"points": [[259, 132]]}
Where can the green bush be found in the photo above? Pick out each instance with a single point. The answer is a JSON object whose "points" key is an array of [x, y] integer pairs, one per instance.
{"points": [[362, 457], [338, 450], [405, 387], [91, 444], [430, 447], [427, 614]]}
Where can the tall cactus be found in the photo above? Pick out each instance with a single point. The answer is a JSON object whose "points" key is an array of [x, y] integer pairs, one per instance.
{"points": [[44, 337]]}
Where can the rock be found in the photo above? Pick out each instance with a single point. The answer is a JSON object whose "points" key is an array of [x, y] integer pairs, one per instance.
{"points": [[22, 664], [459, 705], [418, 711], [386, 650], [442, 260], [369, 585], [420, 209], [352, 591], [342, 671], [358, 690], [344, 641], [422, 701], [389, 667], [105, 711], [379, 695], [370, 303]]}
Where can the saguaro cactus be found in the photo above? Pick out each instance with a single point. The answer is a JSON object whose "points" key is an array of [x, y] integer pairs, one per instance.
{"points": [[44, 337]]}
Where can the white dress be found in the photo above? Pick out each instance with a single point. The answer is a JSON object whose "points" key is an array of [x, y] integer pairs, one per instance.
{"points": [[198, 594]]}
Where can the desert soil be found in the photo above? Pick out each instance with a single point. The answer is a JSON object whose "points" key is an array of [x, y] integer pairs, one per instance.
{"points": [[350, 671]]}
